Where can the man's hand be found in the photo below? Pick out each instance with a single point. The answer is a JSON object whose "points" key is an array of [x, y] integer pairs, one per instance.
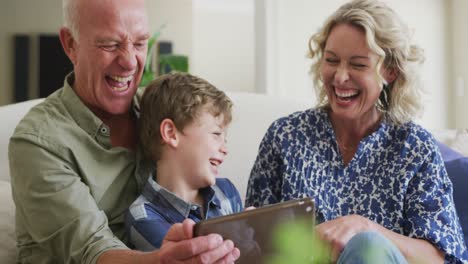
{"points": [[179, 246]]}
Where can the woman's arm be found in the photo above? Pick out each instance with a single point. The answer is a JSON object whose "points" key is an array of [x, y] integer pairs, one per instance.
{"points": [[265, 178], [430, 227], [339, 231]]}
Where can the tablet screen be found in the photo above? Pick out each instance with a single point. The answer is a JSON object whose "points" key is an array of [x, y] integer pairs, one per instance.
{"points": [[252, 231]]}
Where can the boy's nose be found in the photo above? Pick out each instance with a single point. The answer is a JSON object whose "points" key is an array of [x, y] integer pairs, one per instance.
{"points": [[224, 149]]}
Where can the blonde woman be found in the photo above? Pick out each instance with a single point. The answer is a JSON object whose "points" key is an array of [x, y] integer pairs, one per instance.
{"points": [[377, 178]]}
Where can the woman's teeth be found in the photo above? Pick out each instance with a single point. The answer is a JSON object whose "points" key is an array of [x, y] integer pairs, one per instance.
{"points": [[346, 94]]}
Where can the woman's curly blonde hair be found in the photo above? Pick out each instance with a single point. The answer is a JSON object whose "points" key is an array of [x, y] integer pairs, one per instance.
{"points": [[389, 38]]}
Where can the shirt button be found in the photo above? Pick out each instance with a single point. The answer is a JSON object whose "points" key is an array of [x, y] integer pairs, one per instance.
{"points": [[194, 207], [104, 130]]}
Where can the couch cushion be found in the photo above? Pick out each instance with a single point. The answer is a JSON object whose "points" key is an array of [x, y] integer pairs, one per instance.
{"points": [[460, 143], [447, 152], [10, 117], [7, 224], [457, 170]]}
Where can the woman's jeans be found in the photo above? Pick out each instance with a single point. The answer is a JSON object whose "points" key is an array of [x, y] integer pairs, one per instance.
{"points": [[370, 247]]}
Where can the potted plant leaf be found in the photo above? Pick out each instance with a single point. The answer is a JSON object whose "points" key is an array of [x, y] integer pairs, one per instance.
{"points": [[166, 62]]}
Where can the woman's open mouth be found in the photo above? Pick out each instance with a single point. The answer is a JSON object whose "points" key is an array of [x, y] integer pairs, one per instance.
{"points": [[346, 95]]}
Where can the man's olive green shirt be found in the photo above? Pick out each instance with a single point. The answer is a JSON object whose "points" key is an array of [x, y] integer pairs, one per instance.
{"points": [[70, 186]]}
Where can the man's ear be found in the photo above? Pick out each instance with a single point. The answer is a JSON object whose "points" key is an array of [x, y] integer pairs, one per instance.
{"points": [[69, 43], [169, 133]]}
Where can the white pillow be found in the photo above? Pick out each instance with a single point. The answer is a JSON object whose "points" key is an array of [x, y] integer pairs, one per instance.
{"points": [[460, 142], [10, 115], [446, 136], [7, 224]]}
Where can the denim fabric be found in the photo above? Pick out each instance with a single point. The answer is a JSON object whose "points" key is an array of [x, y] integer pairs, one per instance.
{"points": [[370, 248]]}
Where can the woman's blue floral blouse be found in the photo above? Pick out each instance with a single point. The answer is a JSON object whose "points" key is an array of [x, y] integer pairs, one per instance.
{"points": [[396, 178]]}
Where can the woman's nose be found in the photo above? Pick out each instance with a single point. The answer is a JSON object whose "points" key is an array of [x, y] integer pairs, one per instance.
{"points": [[341, 74]]}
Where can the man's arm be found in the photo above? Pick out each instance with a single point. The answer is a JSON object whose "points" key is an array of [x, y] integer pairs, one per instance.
{"points": [[57, 217], [179, 246]]}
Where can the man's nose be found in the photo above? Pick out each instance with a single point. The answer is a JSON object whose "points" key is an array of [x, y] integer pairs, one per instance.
{"points": [[128, 59]]}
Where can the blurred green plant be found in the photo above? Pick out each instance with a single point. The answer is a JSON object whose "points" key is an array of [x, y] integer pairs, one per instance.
{"points": [[297, 243], [172, 61], [175, 62], [148, 73]]}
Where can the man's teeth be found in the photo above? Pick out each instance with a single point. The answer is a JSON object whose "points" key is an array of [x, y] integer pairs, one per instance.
{"points": [[120, 89], [346, 94], [123, 82], [122, 79]]}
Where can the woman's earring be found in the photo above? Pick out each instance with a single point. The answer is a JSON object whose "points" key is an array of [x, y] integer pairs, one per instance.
{"points": [[385, 97]]}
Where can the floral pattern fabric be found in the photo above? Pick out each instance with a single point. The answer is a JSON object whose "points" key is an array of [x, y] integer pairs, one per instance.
{"points": [[396, 178]]}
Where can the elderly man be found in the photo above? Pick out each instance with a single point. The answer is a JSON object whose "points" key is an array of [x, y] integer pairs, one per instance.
{"points": [[74, 159]]}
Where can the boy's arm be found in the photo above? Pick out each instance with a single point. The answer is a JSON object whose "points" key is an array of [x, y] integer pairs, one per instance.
{"points": [[146, 228], [231, 192]]}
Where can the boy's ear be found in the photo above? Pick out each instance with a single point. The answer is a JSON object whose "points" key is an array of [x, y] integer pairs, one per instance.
{"points": [[169, 133]]}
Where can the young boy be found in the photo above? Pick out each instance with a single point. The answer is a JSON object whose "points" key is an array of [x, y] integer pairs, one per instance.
{"points": [[183, 129]]}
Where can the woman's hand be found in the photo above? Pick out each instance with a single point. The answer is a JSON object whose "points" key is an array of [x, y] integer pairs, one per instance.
{"points": [[337, 233]]}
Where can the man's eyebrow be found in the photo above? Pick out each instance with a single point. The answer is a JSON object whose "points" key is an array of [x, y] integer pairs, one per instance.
{"points": [[105, 40], [111, 39]]}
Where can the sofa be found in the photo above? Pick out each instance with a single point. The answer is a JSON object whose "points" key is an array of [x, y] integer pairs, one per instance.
{"points": [[253, 113]]}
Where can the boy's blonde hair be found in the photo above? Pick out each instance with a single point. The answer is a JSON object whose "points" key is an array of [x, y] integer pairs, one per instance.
{"points": [[179, 97]]}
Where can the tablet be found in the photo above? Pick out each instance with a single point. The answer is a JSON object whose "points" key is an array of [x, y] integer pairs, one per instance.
{"points": [[252, 231]]}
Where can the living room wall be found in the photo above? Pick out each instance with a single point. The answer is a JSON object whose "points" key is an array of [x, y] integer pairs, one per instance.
{"points": [[222, 43], [458, 50]]}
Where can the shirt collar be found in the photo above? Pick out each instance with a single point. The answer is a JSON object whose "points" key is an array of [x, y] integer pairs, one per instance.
{"points": [[367, 142], [155, 192], [83, 116]]}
